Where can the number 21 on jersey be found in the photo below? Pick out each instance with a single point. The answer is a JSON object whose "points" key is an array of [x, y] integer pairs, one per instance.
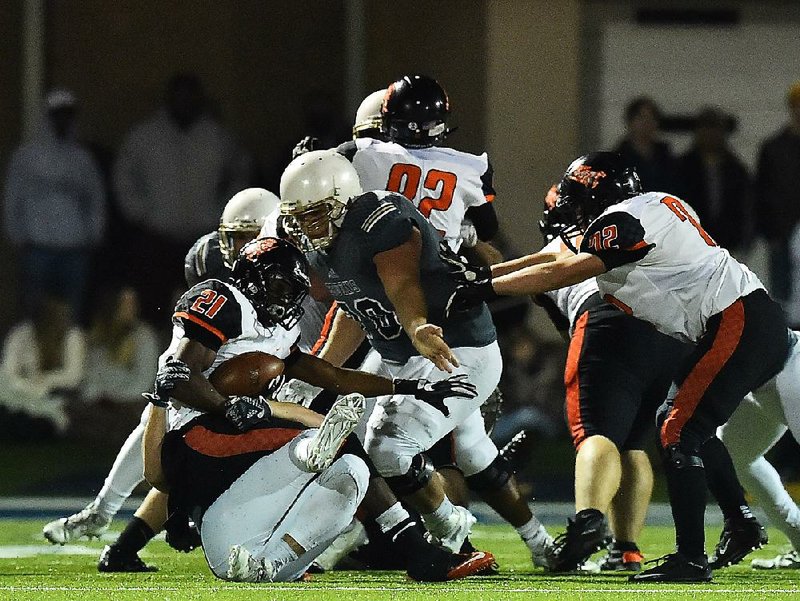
{"points": [[676, 206], [405, 178]]}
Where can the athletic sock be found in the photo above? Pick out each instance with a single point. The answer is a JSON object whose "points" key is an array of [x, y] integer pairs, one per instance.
{"points": [[687, 495], [532, 532], [440, 514], [135, 536], [722, 481], [392, 517], [625, 545]]}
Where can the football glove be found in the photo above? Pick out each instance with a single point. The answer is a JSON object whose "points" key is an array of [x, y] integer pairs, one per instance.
{"points": [[467, 296], [181, 535], [468, 234], [298, 392], [244, 412], [168, 376], [435, 393], [461, 270], [305, 145]]}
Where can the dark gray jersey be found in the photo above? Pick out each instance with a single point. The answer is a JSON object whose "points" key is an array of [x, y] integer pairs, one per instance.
{"points": [[376, 222], [204, 261]]}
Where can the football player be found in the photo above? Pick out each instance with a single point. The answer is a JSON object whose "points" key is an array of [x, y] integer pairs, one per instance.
{"points": [[618, 372], [377, 255], [211, 256], [259, 310], [652, 259]]}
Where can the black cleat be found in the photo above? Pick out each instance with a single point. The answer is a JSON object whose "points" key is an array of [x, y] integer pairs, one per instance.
{"points": [[674, 568], [517, 451], [738, 538], [443, 565], [586, 534], [617, 560], [114, 560]]}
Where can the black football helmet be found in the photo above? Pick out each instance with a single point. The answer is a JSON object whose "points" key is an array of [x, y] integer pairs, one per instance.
{"points": [[414, 112], [273, 275], [592, 183]]}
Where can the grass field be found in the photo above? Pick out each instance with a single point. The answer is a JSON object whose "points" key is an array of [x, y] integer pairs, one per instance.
{"points": [[186, 577]]}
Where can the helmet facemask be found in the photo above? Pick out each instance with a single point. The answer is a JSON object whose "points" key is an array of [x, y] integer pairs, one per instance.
{"points": [[233, 236], [315, 226]]}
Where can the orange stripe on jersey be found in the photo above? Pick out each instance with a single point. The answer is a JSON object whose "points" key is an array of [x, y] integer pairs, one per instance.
{"points": [[326, 329], [202, 324], [214, 444], [703, 373], [572, 383], [490, 198], [618, 304], [638, 245]]}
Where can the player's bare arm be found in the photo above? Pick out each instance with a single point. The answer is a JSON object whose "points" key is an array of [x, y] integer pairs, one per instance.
{"points": [[197, 392], [543, 277], [398, 269], [295, 413], [345, 336], [500, 269], [154, 431]]}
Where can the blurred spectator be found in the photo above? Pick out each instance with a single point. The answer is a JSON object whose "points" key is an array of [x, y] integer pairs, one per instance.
{"points": [[120, 365], [55, 207], [778, 197], [532, 387], [642, 148], [173, 175], [42, 365], [716, 183]]}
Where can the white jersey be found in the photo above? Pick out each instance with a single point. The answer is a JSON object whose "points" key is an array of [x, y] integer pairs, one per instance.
{"points": [[221, 318], [441, 182], [663, 267], [569, 299]]}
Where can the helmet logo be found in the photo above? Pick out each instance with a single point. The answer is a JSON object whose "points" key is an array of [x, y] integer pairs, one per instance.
{"points": [[587, 176], [260, 246]]}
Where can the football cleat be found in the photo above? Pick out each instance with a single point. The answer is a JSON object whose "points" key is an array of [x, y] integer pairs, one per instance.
{"points": [[618, 560], [87, 522], [350, 539], [586, 534], [539, 545], [784, 561], [454, 531], [737, 540], [243, 567], [338, 424], [472, 564], [112, 559], [674, 568]]}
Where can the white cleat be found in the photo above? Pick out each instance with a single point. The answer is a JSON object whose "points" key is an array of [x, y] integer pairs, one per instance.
{"points": [[87, 522], [338, 424], [785, 561], [243, 567], [452, 534], [353, 537]]}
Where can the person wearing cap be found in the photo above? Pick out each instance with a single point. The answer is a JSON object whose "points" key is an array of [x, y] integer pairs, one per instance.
{"points": [[55, 207], [778, 204]]}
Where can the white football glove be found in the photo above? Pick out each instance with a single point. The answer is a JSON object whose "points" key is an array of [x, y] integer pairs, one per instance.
{"points": [[298, 392], [468, 234]]}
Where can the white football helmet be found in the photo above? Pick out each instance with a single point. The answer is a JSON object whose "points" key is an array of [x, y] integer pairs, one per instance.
{"points": [[316, 188], [242, 218], [368, 116]]}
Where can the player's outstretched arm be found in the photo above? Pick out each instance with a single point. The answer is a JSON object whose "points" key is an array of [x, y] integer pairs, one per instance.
{"points": [[341, 340], [566, 271]]}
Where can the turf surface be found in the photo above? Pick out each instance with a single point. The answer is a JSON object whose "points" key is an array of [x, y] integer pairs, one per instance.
{"points": [[186, 577]]}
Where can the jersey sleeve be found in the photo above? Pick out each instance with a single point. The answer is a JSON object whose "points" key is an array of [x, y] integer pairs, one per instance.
{"points": [[487, 182], [384, 222], [204, 261], [209, 314], [617, 239]]}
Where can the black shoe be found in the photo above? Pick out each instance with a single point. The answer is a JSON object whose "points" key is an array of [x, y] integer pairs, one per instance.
{"points": [[517, 451], [674, 568], [617, 560], [586, 534], [114, 560], [738, 538], [442, 565]]}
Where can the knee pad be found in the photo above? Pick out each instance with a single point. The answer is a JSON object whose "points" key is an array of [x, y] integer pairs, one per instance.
{"points": [[675, 457], [416, 478], [494, 477]]}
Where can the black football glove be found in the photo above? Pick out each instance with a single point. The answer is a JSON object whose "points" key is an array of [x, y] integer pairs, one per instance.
{"points": [[435, 393], [181, 536], [168, 376], [462, 270], [245, 412], [305, 145], [467, 296]]}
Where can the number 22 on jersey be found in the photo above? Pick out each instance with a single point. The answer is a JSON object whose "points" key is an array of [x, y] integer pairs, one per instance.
{"points": [[676, 206], [405, 178]]}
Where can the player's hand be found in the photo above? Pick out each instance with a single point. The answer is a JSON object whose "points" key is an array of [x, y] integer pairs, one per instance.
{"points": [[467, 296], [247, 411], [168, 376], [297, 392], [461, 270], [435, 393], [180, 535], [305, 145], [428, 340]]}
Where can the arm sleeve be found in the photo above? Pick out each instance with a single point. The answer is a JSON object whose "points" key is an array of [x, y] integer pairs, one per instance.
{"points": [[210, 314], [617, 239]]}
